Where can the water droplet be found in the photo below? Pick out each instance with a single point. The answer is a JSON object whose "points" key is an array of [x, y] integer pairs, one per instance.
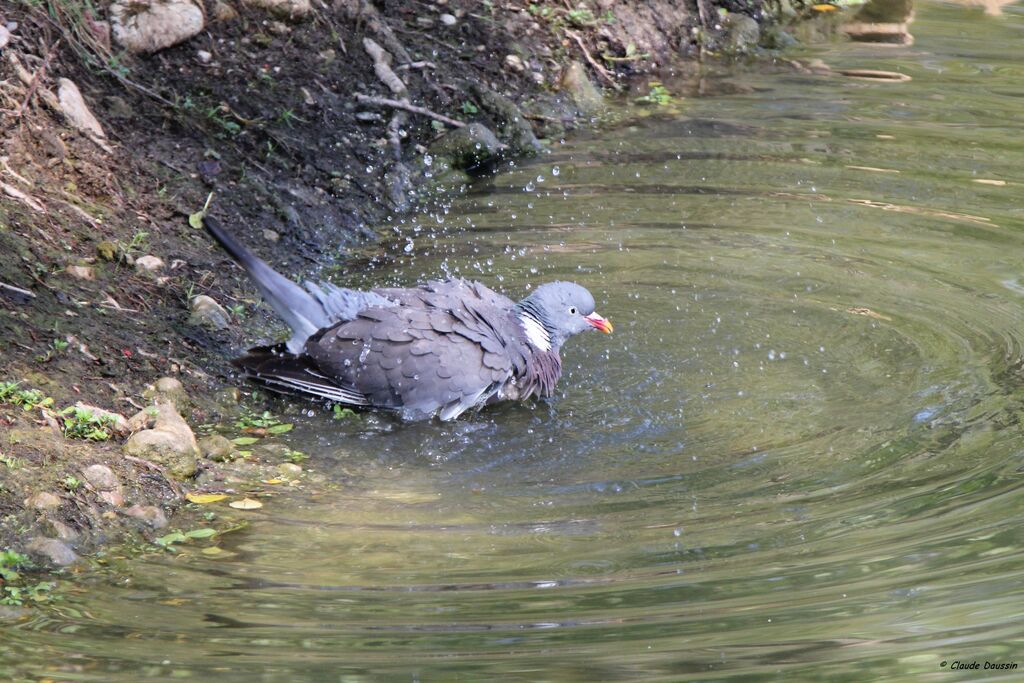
{"points": [[555, 170]]}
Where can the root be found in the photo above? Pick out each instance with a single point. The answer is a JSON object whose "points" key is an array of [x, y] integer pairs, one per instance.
{"points": [[412, 108]]}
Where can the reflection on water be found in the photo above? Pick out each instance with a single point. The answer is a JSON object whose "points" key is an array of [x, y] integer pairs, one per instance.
{"points": [[799, 456]]}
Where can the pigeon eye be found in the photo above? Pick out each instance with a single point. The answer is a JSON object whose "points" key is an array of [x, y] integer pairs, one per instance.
{"points": [[572, 310]]}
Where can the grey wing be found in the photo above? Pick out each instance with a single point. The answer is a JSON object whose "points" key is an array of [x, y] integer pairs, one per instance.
{"points": [[411, 358]]}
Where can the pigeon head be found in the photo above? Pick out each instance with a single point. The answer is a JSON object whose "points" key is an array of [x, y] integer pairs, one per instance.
{"points": [[556, 311]]}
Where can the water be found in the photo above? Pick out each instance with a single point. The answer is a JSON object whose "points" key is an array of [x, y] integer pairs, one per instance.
{"points": [[799, 456]]}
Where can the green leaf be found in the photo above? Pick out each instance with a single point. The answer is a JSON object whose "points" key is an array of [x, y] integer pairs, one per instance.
{"points": [[201, 533], [196, 219], [171, 538], [280, 429], [245, 441]]}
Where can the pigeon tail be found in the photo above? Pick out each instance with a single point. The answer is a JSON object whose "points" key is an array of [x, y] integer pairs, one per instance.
{"points": [[307, 309], [286, 373]]}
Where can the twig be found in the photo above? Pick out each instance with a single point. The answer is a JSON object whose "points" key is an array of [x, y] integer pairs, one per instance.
{"points": [[597, 67], [416, 65], [382, 67], [36, 79], [401, 104]]}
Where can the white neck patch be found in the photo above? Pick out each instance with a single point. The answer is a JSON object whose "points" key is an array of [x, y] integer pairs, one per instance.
{"points": [[535, 332]]}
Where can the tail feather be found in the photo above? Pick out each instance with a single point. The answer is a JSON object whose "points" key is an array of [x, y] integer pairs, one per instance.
{"points": [[280, 371], [290, 301]]}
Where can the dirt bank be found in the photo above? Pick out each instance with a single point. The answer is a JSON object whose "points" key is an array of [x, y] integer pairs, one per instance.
{"points": [[311, 122]]}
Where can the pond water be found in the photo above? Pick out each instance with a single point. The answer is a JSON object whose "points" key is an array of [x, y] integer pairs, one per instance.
{"points": [[800, 454]]}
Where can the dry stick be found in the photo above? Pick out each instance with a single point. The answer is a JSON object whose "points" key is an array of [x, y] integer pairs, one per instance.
{"points": [[402, 104], [597, 67], [36, 79]]}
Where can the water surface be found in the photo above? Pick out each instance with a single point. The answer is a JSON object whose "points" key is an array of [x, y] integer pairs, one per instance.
{"points": [[799, 456]]}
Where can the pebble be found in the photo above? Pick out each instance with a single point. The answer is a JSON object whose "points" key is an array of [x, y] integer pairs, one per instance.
{"points": [[216, 447], [289, 469], [101, 477], [270, 236], [5, 37], [52, 550], [206, 312], [448, 19], [62, 531], [81, 272], [148, 264], [149, 514], [44, 500], [203, 56], [514, 63]]}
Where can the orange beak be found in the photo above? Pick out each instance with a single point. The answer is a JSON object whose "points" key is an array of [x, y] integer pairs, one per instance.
{"points": [[603, 324]]}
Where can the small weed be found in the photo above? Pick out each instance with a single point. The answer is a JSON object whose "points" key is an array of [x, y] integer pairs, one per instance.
{"points": [[10, 563], [580, 17], [82, 423], [469, 108], [237, 310], [20, 595], [295, 456], [254, 421], [28, 399], [341, 413], [71, 484], [9, 462], [658, 95]]}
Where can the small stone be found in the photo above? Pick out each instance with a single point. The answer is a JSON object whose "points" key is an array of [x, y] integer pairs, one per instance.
{"points": [[43, 500], [204, 56], [741, 32], [279, 28], [290, 469], [424, 22], [51, 550], [81, 272], [468, 146], [145, 26], [61, 530], [5, 37], [148, 514], [76, 110], [222, 11], [170, 442], [270, 236], [307, 97], [113, 498], [101, 477], [515, 63], [167, 389], [327, 55], [148, 264], [208, 313], [217, 448], [106, 250], [292, 10], [448, 19], [577, 86]]}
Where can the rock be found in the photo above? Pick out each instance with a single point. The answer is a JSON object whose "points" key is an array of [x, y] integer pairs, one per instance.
{"points": [[741, 32], [514, 63], [293, 10], [81, 272], [51, 550], [170, 442], [270, 236], [204, 56], [222, 11], [216, 447], [76, 110], [119, 424], [5, 37], [775, 38], [113, 498], [144, 419], [61, 530], [327, 55], [512, 127], [581, 91], [207, 313], [448, 19], [469, 146], [144, 26], [289, 469], [148, 264], [43, 500], [151, 515], [279, 28], [101, 477], [167, 389], [106, 250]]}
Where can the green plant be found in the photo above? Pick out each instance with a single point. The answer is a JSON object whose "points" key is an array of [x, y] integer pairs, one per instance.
{"points": [[71, 483], [469, 108], [9, 462], [36, 593], [82, 423], [658, 95], [295, 456], [237, 310], [28, 399], [341, 413], [10, 563], [581, 17], [254, 421]]}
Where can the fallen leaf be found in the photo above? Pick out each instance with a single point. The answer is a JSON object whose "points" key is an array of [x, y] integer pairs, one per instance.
{"points": [[245, 441], [989, 181], [273, 481], [205, 498], [196, 219], [212, 550], [201, 533], [246, 504], [174, 537], [280, 429], [824, 8]]}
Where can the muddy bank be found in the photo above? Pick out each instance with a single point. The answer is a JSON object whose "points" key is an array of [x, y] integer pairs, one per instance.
{"points": [[311, 123]]}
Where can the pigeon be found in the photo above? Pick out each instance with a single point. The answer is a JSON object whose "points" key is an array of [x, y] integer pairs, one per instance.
{"points": [[435, 350]]}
